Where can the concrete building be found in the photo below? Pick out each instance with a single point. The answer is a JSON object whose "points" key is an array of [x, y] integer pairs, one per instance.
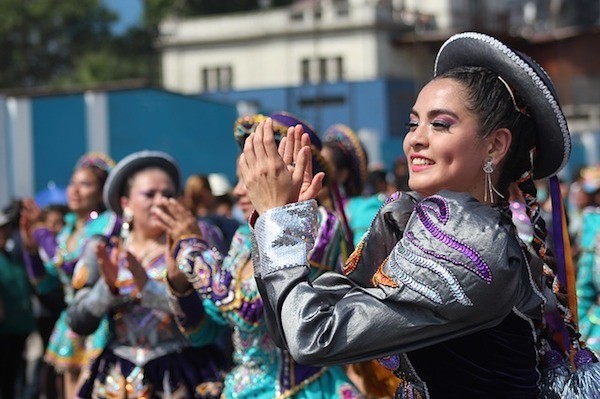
{"points": [[359, 62]]}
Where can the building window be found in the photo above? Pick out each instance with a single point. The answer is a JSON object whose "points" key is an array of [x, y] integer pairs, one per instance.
{"points": [[322, 70], [305, 70], [219, 78], [339, 67], [342, 9], [297, 16], [318, 13]]}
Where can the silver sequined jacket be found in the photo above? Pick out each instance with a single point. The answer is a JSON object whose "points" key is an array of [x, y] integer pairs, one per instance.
{"points": [[454, 268]]}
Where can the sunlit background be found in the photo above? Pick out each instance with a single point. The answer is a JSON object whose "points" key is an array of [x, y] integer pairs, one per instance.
{"points": [[122, 75]]}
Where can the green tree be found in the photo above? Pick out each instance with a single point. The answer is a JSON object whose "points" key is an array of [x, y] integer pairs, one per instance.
{"points": [[68, 43], [41, 41]]}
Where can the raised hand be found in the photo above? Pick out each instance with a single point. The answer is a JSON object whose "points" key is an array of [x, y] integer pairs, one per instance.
{"points": [[30, 218], [277, 177], [140, 277], [107, 256], [289, 149], [176, 219]]}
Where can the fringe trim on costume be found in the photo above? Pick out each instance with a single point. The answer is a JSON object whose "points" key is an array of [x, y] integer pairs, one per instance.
{"points": [[585, 380]]}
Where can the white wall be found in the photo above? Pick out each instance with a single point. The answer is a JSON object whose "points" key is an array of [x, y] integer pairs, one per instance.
{"points": [[265, 48]]}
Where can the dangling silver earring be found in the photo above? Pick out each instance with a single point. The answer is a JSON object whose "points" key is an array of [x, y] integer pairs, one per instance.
{"points": [[126, 225], [488, 169]]}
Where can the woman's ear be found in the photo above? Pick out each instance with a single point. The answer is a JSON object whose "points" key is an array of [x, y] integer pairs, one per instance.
{"points": [[124, 202], [499, 144]]}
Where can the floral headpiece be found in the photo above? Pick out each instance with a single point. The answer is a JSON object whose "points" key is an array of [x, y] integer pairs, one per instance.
{"points": [[96, 159], [347, 141], [244, 126]]}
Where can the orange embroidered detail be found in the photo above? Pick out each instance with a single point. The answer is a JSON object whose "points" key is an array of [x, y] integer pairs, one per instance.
{"points": [[353, 259], [380, 278]]}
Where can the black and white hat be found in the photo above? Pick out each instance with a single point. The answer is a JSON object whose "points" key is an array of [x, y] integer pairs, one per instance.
{"points": [[529, 80], [132, 163]]}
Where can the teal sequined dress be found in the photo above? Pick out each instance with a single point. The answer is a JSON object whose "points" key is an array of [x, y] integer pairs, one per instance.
{"points": [[53, 267], [261, 369]]}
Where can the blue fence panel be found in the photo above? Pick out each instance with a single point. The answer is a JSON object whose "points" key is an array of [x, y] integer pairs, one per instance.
{"points": [[198, 133], [59, 137]]}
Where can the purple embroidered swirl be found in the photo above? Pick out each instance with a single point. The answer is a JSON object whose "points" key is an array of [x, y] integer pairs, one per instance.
{"points": [[442, 214], [441, 211], [413, 240]]}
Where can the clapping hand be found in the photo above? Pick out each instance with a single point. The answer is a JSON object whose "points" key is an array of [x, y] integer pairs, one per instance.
{"points": [[176, 219], [276, 177], [177, 278], [107, 255]]}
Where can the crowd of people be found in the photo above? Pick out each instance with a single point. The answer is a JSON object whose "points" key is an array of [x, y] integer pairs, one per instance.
{"points": [[452, 274]]}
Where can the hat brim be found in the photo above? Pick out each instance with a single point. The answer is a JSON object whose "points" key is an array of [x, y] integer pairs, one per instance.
{"points": [[117, 179], [346, 137], [553, 140]]}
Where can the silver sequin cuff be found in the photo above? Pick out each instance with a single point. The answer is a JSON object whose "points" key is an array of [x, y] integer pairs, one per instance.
{"points": [[284, 236]]}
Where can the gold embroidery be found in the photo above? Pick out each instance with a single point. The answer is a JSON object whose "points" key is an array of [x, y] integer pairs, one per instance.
{"points": [[295, 389], [353, 259], [380, 278]]}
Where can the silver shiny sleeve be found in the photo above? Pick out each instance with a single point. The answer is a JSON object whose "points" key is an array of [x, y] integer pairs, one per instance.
{"points": [[455, 271], [285, 236]]}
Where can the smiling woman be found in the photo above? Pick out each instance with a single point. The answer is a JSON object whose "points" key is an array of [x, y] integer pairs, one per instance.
{"points": [[440, 290], [51, 259], [442, 130]]}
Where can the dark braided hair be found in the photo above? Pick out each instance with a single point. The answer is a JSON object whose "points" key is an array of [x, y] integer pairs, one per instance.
{"points": [[496, 107]]}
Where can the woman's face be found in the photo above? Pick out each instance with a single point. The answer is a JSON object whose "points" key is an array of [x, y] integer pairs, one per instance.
{"points": [[84, 193], [147, 187], [442, 145], [241, 193]]}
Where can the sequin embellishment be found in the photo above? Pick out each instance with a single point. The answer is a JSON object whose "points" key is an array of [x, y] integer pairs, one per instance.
{"points": [[439, 207]]}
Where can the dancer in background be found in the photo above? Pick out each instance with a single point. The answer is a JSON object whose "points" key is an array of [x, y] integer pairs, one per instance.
{"points": [[588, 273], [125, 281], [16, 313], [226, 292], [51, 259]]}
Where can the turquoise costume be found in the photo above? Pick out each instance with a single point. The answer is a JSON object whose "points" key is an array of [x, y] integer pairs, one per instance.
{"points": [[588, 280], [53, 267], [231, 297], [361, 211]]}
